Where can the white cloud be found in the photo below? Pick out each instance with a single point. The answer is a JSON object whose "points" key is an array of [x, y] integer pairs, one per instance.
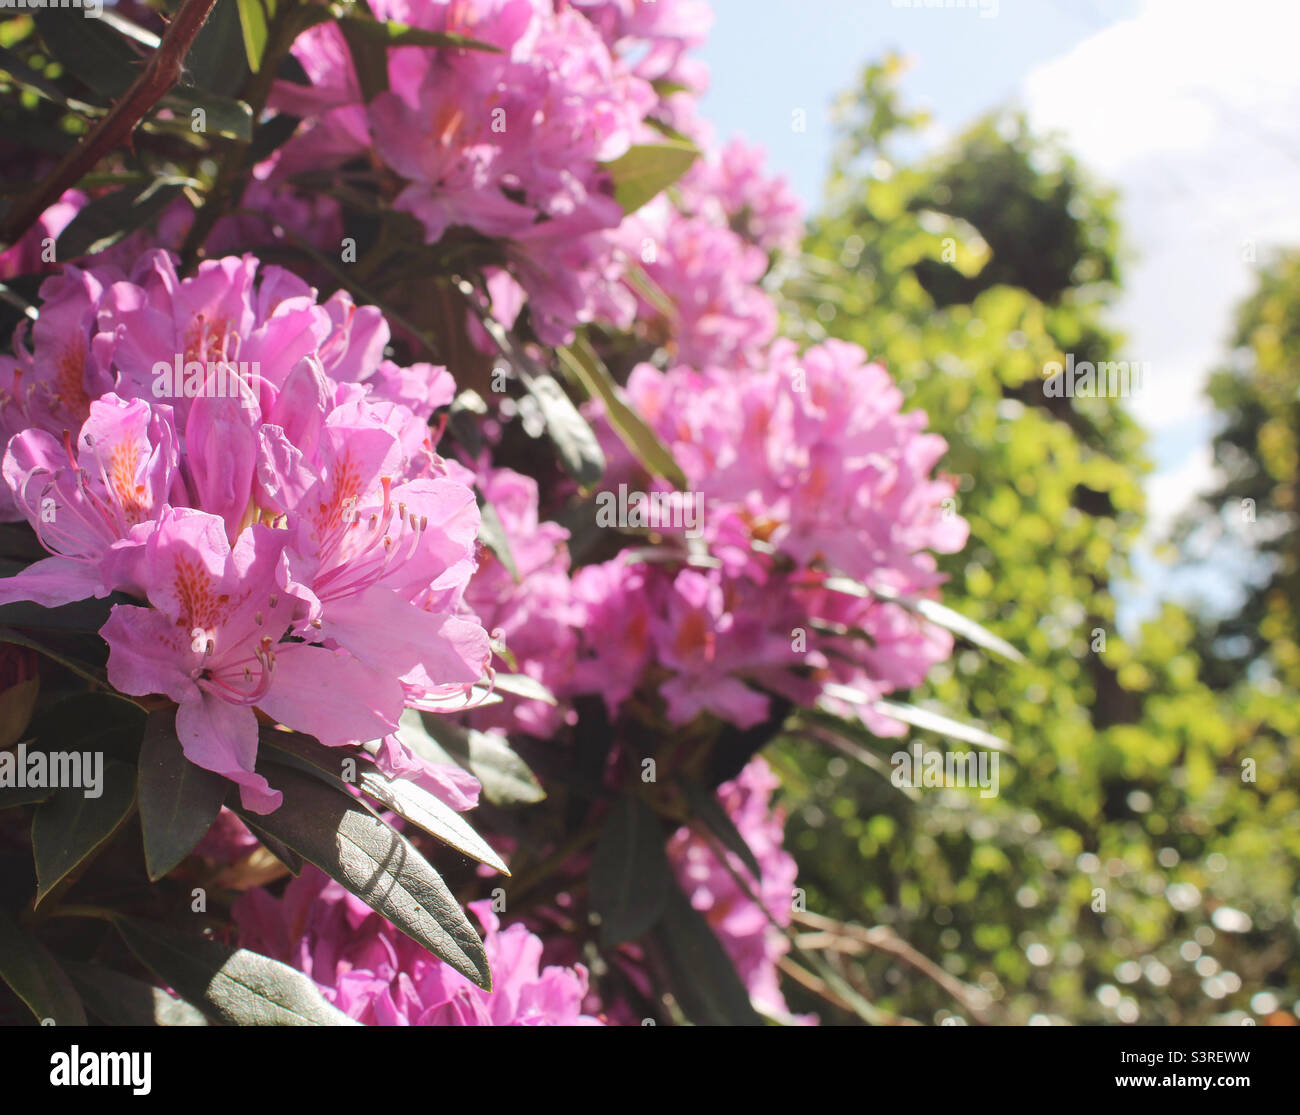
{"points": [[1191, 109]]}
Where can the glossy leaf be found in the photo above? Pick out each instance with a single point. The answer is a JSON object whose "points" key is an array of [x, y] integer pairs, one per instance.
{"points": [[69, 826], [380, 866], [179, 801], [33, 974], [236, 987], [630, 876]]}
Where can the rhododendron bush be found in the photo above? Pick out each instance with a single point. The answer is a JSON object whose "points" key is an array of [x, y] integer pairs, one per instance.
{"points": [[415, 525]]}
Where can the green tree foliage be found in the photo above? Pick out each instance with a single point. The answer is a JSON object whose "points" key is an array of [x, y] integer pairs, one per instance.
{"points": [[1257, 395], [1128, 870]]}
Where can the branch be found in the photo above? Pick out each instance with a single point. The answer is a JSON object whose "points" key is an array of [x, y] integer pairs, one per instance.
{"points": [[160, 74]]}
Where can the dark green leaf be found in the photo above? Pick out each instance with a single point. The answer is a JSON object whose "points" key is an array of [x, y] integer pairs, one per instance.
{"points": [[212, 62], [234, 986], [25, 76], [178, 800], [391, 33], [700, 972], [90, 50], [505, 777], [81, 615], [645, 170], [121, 1000], [36, 977], [630, 876], [580, 452], [635, 433], [13, 796], [378, 865], [70, 826], [432, 815], [222, 116], [403, 797], [101, 223], [706, 809], [369, 55]]}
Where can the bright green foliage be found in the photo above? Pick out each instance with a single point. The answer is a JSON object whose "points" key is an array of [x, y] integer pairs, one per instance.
{"points": [[1123, 818]]}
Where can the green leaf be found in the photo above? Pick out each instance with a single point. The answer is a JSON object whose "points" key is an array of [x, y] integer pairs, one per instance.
{"points": [[369, 55], [645, 170], [403, 797], [121, 1000], [101, 223], [380, 866], [434, 816], [69, 827], [700, 972], [24, 75], [223, 116], [706, 809], [493, 534], [91, 722], [636, 434], [630, 876], [932, 610], [389, 33], [252, 22], [237, 987], [212, 62], [579, 450], [81, 615], [36, 977], [13, 796], [521, 685], [179, 801], [944, 725], [505, 777], [89, 50]]}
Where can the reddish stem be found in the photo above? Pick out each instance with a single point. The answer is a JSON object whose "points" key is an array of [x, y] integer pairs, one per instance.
{"points": [[160, 74]]}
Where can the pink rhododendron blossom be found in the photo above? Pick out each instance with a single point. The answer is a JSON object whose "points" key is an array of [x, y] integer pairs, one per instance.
{"points": [[733, 189], [508, 143], [380, 977], [32, 254], [709, 275], [533, 613], [303, 548], [745, 929]]}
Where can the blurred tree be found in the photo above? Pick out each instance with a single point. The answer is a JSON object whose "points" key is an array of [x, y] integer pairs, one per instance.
{"points": [[1257, 506], [1126, 871]]}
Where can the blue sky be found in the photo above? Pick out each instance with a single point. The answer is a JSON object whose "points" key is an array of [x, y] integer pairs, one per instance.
{"points": [[1191, 108]]}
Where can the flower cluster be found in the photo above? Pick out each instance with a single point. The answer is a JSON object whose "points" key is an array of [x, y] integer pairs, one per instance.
{"points": [[509, 143], [247, 462], [812, 479], [750, 932], [374, 974]]}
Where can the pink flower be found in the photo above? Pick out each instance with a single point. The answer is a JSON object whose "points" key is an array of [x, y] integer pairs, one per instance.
{"points": [[303, 548], [721, 316], [744, 927], [380, 977], [509, 144], [733, 189], [211, 642], [29, 255], [83, 503], [534, 615]]}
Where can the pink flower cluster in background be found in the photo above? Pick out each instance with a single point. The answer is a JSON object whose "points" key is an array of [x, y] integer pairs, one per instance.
{"points": [[380, 977]]}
